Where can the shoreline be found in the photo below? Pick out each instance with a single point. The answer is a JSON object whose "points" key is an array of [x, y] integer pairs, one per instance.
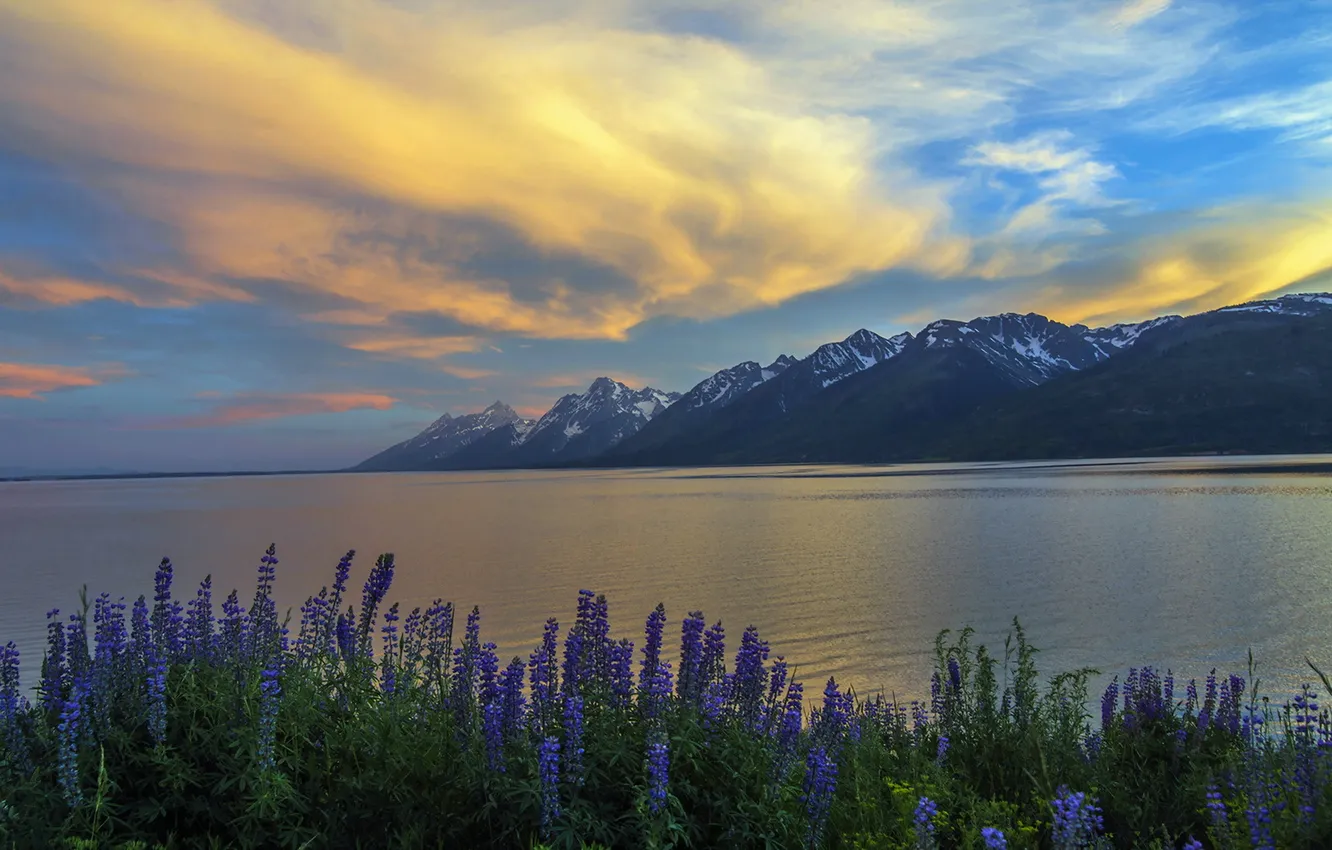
{"points": [[1177, 465]]}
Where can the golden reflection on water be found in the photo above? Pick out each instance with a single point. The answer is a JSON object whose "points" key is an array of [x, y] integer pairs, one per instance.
{"points": [[846, 571]]}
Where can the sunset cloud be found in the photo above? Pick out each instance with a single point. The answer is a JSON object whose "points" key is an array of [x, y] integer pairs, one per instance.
{"points": [[392, 159], [249, 408], [32, 380], [458, 200]]}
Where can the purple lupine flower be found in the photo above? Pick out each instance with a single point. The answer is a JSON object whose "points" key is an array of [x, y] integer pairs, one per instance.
{"points": [[942, 750], [53, 665], [1259, 816], [390, 660], [231, 641], [1077, 819], [327, 631], [777, 680], [819, 787], [1222, 718], [140, 633], [76, 645], [110, 638], [465, 661], [1209, 704], [575, 641], [1216, 810], [262, 637], [70, 729], [270, 699], [492, 730], [9, 671], [923, 822], [654, 698], [750, 682], [13, 748], [346, 634], [1149, 703], [410, 654], [713, 707], [1305, 731], [267, 571], [690, 681], [622, 673], [714, 655], [305, 638], [1091, 746], [658, 769], [833, 716], [543, 677], [491, 702], [548, 768], [1192, 844], [1233, 715], [438, 628], [788, 733], [920, 718], [954, 674], [993, 839], [654, 677], [512, 698], [374, 590], [573, 738], [155, 664], [652, 632], [201, 621], [598, 640], [167, 618], [1191, 698]]}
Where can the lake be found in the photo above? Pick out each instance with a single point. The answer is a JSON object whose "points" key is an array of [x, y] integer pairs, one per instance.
{"points": [[847, 571]]}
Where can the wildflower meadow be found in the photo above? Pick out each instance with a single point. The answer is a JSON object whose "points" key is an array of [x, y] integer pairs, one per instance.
{"points": [[164, 724]]}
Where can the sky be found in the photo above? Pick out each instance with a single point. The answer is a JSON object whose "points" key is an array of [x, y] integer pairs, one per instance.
{"points": [[284, 234]]}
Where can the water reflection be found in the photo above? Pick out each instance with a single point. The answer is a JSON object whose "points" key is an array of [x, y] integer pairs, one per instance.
{"points": [[848, 571]]}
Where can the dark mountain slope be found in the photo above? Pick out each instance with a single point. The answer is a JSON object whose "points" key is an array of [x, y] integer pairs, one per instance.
{"points": [[1233, 382], [444, 437], [890, 411]]}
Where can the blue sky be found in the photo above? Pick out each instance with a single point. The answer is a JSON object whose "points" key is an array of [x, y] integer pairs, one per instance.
{"points": [[246, 235]]}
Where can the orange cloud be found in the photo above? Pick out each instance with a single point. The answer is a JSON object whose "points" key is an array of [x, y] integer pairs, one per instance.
{"points": [[1235, 254], [155, 288], [415, 347], [31, 380], [703, 181], [61, 292], [466, 373], [249, 408]]}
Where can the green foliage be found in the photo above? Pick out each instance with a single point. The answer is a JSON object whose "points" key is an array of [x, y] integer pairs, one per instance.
{"points": [[359, 764]]}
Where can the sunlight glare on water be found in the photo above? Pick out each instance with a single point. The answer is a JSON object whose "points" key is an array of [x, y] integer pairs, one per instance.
{"points": [[846, 571]]}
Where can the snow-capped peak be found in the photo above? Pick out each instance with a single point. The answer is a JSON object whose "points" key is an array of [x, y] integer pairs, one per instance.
{"points": [[859, 351]]}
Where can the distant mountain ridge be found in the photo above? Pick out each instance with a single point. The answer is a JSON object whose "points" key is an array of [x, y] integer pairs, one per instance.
{"points": [[444, 437], [869, 398]]}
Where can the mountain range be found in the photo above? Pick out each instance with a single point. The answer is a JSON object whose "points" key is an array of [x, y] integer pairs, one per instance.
{"points": [[1255, 377]]}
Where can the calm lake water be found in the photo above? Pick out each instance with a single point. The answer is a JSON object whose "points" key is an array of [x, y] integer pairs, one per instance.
{"points": [[847, 571]]}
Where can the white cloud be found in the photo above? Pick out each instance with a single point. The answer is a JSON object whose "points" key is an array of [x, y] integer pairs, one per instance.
{"points": [[1067, 177]]}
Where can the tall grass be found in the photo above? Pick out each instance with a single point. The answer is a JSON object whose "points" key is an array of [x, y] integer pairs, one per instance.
{"points": [[163, 724]]}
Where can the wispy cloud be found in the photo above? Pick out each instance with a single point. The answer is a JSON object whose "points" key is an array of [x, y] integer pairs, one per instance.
{"points": [[1134, 12], [712, 175], [252, 407], [1067, 177], [1301, 114], [34, 380]]}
